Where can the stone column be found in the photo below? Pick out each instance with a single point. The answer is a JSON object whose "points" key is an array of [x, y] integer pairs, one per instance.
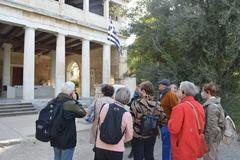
{"points": [[29, 64], [85, 68], [86, 6], [6, 64], [106, 70], [60, 63], [106, 9], [53, 67]]}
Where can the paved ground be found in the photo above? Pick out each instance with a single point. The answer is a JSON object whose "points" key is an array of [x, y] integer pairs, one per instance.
{"points": [[20, 127], [31, 149], [25, 147]]}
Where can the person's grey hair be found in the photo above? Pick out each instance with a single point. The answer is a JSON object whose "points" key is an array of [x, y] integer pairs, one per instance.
{"points": [[189, 88], [68, 87], [123, 95]]}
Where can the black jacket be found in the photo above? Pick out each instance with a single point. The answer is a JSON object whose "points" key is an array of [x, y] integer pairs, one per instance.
{"points": [[67, 137]]}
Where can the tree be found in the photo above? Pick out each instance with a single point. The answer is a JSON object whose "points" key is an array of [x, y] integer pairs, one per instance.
{"points": [[195, 40]]}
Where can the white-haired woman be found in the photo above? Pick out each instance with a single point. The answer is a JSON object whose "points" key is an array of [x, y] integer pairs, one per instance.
{"points": [[104, 150], [183, 124]]}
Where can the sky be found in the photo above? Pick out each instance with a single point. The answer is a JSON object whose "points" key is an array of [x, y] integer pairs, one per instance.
{"points": [[132, 37]]}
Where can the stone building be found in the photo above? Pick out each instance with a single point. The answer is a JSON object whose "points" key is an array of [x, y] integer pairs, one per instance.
{"points": [[44, 43]]}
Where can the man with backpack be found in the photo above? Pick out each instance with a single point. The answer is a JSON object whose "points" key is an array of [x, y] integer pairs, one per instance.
{"points": [[148, 117], [60, 126]]}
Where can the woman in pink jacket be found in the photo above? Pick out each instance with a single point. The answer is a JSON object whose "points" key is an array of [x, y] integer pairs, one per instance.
{"points": [[106, 151], [185, 137]]}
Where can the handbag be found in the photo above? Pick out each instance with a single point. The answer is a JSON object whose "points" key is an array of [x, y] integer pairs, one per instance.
{"points": [[203, 147]]}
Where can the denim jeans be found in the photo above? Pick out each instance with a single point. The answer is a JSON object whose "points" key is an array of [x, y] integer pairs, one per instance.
{"points": [[63, 154], [166, 144]]}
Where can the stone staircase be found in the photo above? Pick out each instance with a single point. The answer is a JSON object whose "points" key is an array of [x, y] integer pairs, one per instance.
{"points": [[14, 109]]}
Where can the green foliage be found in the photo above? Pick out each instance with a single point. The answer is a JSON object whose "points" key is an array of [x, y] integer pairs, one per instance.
{"points": [[234, 111], [195, 40]]}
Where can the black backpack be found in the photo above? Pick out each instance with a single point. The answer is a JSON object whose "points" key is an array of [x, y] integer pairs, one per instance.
{"points": [[49, 120], [149, 123], [111, 128]]}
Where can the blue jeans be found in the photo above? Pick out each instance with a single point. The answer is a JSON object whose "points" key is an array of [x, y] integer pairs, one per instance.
{"points": [[63, 154], [166, 144]]}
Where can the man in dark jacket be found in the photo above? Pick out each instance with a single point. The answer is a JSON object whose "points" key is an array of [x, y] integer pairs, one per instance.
{"points": [[65, 141]]}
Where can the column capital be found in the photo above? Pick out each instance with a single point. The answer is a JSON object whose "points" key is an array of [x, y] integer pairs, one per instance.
{"points": [[30, 27], [107, 44], [7, 45], [63, 34], [86, 39], [59, 34]]}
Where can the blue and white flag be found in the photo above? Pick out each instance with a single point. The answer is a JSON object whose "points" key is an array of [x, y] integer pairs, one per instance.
{"points": [[113, 37]]}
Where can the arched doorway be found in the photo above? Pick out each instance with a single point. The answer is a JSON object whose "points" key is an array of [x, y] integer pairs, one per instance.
{"points": [[73, 74]]}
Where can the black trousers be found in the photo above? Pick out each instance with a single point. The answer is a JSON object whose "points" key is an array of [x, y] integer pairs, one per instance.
{"points": [[102, 154], [143, 148]]}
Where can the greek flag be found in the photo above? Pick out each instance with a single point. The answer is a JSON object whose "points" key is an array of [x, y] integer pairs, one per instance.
{"points": [[113, 37]]}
